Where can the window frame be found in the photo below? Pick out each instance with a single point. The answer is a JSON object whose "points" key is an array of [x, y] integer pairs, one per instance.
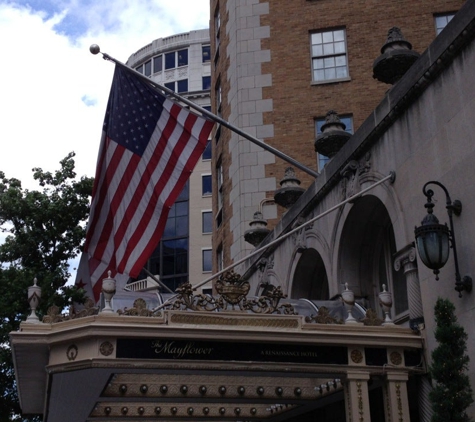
{"points": [[205, 48], [169, 55], [207, 153], [210, 178], [207, 86], [155, 60], [208, 260], [447, 17], [203, 221], [328, 55]]}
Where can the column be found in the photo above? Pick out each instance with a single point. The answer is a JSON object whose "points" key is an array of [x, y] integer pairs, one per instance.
{"points": [[356, 397], [406, 259], [396, 402]]}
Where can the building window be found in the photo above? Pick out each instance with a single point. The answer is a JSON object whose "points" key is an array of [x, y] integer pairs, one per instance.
{"points": [[206, 53], [217, 32], [329, 58], [207, 151], [182, 57], [441, 21], [206, 82], [148, 68], [347, 120], [218, 102], [207, 260], [139, 69], [206, 184], [170, 60], [182, 86], [157, 64], [207, 221], [220, 258], [219, 184], [178, 86]]}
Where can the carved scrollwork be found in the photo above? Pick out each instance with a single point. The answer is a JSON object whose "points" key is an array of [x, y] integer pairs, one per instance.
{"points": [[139, 309], [352, 175], [232, 290], [323, 317], [54, 314], [372, 319]]}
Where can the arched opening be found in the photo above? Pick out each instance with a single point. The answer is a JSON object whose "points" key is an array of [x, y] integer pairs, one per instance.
{"points": [[310, 277], [366, 255]]}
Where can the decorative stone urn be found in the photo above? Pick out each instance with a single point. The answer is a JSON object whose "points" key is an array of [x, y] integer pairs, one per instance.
{"points": [[333, 135], [290, 190], [386, 302], [349, 300], [396, 58], [108, 290], [34, 297], [258, 230]]}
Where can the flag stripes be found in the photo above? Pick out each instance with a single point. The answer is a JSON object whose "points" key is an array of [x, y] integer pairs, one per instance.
{"points": [[149, 148]]}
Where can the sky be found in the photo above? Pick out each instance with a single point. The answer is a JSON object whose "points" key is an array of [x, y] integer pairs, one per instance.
{"points": [[53, 91]]}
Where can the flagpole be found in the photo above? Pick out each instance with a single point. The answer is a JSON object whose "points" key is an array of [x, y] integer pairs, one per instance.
{"points": [[95, 49]]}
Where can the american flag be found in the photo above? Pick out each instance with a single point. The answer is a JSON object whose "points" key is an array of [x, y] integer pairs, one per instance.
{"points": [[149, 147]]}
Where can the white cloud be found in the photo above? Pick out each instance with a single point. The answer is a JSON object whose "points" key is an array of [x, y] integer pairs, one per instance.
{"points": [[54, 91]]}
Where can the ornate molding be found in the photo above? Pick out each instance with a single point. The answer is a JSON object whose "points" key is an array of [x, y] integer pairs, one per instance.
{"points": [[406, 256], [395, 358], [72, 352], [353, 175], [139, 309], [372, 319], [232, 290], [323, 317], [54, 315], [191, 318], [356, 356], [106, 348]]}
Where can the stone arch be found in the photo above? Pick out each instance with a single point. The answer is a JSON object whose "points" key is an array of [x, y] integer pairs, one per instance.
{"points": [[310, 280], [365, 254]]}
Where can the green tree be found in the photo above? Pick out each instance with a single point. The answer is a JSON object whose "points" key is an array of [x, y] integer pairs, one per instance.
{"points": [[44, 230], [452, 393]]}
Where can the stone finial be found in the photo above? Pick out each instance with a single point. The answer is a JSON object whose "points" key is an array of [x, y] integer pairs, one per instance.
{"points": [[34, 297], [258, 230], [108, 290], [290, 190], [395, 36], [386, 302], [396, 58], [333, 135], [348, 298]]}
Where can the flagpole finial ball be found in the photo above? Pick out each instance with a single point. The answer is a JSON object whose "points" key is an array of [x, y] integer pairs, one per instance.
{"points": [[94, 49]]}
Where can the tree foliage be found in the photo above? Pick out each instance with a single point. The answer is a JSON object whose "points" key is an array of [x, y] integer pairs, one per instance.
{"points": [[452, 393], [44, 230]]}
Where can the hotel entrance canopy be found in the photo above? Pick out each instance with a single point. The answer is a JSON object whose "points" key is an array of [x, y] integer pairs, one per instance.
{"points": [[184, 364]]}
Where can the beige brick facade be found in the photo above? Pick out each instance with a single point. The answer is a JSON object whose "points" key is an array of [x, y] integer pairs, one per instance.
{"points": [[263, 66]]}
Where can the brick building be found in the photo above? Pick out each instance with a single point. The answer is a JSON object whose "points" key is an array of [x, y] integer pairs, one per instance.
{"points": [[278, 68]]}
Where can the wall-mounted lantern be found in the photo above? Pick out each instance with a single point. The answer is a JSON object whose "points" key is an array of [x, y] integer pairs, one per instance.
{"points": [[434, 240]]}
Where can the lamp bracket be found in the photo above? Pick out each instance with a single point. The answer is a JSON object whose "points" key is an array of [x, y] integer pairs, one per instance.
{"points": [[465, 284], [456, 207]]}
